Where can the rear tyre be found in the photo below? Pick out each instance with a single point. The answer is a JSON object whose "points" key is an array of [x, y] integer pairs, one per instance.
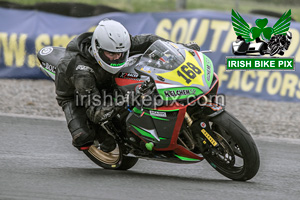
{"points": [[112, 160], [237, 156]]}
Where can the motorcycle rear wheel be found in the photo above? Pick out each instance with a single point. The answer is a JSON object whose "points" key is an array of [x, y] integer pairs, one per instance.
{"points": [[112, 160], [237, 156]]}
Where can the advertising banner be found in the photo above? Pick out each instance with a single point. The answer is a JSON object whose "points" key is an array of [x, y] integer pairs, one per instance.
{"points": [[24, 32]]}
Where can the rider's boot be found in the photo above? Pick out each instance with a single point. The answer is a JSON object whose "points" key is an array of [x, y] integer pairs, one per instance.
{"points": [[108, 143], [82, 139]]}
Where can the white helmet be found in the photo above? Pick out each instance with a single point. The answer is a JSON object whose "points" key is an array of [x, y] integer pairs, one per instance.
{"points": [[113, 37]]}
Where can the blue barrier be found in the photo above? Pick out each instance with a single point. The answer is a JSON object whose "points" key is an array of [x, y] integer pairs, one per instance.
{"points": [[23, 33]]}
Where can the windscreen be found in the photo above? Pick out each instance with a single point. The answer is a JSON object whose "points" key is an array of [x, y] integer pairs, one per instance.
{"points": [[162, 55]]}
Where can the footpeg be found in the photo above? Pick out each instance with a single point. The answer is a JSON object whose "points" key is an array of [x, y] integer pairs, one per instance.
{"points": [[84, 148]]}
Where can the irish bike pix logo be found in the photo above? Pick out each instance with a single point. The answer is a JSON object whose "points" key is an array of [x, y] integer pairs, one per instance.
{"points": [[261, 47]]}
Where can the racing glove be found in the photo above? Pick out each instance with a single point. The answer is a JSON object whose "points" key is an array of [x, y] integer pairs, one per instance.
{"points": [[192, 45], [98, 114]]}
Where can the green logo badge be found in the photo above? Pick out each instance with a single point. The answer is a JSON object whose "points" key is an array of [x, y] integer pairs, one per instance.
{"points": [[261, 38], [242, 29]]}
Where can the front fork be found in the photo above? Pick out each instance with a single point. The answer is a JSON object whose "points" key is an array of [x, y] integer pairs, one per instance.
{"points": [[204, 135], [200, 126]]}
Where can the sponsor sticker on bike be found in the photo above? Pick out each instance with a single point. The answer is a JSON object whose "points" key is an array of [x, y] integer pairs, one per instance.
{"points": [[208, 136], [176, 93], [203, 124], [261, 40], [49, 67], [157, 113], [128, 75], [46, 51]]}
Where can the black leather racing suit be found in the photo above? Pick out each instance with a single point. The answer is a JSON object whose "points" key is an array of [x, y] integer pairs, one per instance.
{"points": [[78, 74]]}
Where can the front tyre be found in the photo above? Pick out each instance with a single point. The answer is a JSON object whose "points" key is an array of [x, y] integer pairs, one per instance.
{"points": [[112, 160], [237, 156]]}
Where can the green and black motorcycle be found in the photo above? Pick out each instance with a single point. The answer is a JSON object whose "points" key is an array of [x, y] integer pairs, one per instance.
{"points": [[175, 116]]}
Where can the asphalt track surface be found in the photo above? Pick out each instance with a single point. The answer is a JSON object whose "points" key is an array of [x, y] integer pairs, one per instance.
{"points": [[38, 162]]}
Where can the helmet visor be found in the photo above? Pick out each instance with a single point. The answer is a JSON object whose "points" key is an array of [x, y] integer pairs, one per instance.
{"points": [[113, 59]]}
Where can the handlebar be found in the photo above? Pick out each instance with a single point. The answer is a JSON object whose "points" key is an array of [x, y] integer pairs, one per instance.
{"points": [[146, 86]]}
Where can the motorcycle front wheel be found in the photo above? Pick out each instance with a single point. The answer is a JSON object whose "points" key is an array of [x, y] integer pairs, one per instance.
{"points": [[112, 160], [236, 156]]}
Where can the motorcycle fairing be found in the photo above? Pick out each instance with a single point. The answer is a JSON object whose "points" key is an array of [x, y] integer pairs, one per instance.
{"points": [[189, 63], [163, 132], [49, 57], [150, 128], [127, 79], [176, 68]]}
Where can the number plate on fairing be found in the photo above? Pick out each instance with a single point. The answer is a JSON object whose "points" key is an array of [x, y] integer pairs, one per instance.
{"points": [[188, 73]]}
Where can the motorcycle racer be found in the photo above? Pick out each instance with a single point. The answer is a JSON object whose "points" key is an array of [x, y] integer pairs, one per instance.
{"points": [[88, 66]]}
